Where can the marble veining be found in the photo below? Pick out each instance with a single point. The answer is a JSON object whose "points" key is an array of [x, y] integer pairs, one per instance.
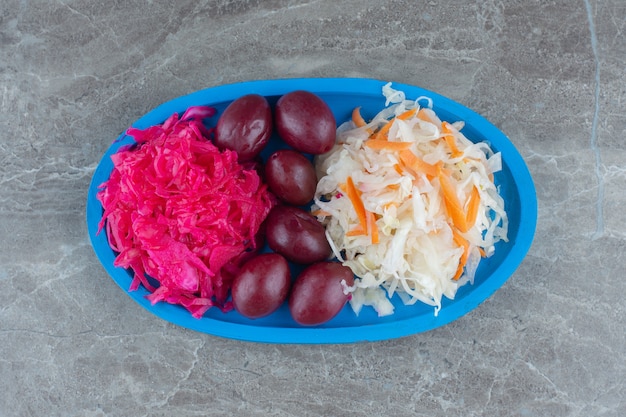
{"points": [[74, 74], [594, 124]]}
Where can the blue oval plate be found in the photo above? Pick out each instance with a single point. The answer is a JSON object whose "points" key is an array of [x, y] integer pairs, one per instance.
{"points": [[342, 95]]}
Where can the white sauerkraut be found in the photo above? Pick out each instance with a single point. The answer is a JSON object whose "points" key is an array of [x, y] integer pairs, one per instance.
{"points": [[411, 244]]}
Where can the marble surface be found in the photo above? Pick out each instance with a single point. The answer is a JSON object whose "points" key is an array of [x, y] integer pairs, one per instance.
{"points": [[550, 74]]}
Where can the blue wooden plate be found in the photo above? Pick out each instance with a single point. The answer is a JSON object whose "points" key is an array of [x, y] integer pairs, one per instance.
{"points": [[342, 95]]}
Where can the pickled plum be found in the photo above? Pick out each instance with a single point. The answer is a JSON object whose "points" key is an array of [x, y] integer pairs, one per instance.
{"points": [[317, 294], [297, 235], [261, 285], [291, 177], [305, 122], [245, 126]]}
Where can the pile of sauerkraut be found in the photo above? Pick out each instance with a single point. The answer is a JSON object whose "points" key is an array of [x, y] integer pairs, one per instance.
{"points": [[409, 204], [181, 211]]}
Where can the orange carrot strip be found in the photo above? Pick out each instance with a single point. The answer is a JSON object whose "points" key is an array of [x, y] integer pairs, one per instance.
{"points": [[473, 204], [357, 203], [452, 203], [450, 139], [380, 144], [357, 231], [463, 243], [416, 163], [482, 252], [357, 118], [407, 114], [382, 133], [459, 270], [423, 115], [320, 212], [372, 227], [440, 169]]}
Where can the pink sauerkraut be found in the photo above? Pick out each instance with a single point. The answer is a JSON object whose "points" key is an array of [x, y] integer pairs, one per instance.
{"points": [[180, 212]]}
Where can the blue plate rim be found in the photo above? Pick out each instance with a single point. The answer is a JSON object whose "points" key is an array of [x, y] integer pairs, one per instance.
{"points": [[343, 334]]}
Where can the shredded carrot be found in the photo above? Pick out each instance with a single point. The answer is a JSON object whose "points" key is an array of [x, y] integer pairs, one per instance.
{"points": [[450, 139], [455, 211], [382, 133], [473, 204], [407, 114], [393, 186], [422, 114], [398, 169], [416, 163], [463, 243], [372, 227], [357, 203], [357, 118], [357, 231], [320, 212], [380, 144]]}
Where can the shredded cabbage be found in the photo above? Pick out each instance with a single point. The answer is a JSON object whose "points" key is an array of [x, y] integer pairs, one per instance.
{"points": [[433, 217], [180, 211]]}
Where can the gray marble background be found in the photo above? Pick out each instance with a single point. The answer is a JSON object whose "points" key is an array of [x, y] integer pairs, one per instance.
{"points": [[550, 74]]}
